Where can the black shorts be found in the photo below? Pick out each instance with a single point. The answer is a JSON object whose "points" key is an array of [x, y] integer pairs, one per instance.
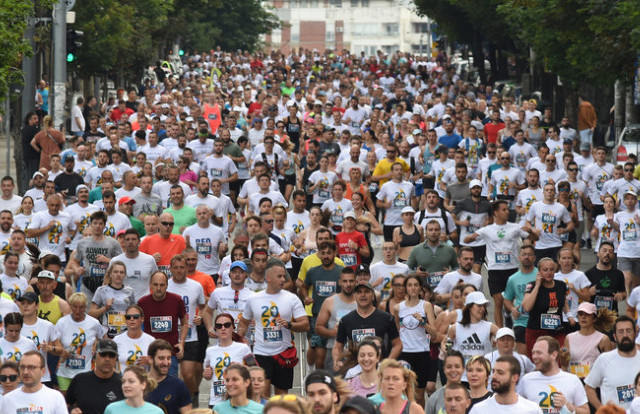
{"points": [[420, 362], [388, 232], [550, 252], [498, 280], [597, 210], [191, 351], [479, 253], [520, 331], [279, 376], [203, 341]]}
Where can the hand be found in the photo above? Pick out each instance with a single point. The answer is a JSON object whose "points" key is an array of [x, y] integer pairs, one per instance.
{"points": [[353, 245], [559, 400], [465, 223], [208, 373], [515, 314], [592, 291], [197, 320], [108, 304], [180, 350], [538, 279], [444, 237], [158, 257], [51, 224], [337, 365], [102, 259], [421, 273], [144, 360], [79, 271], [67, 240], [75, 411], [535, 232], [308, 301], [222, 248], [619, 296], [281, 322]]}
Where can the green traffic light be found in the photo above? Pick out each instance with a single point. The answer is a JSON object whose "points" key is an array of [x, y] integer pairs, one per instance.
{"points": [[70, 57], [181, 52]]}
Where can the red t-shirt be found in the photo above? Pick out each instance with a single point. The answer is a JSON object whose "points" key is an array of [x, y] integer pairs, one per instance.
{"points": [[162, 318], [349, 256], [491, 131], [167, 248]]}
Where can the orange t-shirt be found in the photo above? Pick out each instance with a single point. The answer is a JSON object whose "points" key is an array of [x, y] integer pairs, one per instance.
{"points": [[167, 248], [205, 280], [212, 116]]}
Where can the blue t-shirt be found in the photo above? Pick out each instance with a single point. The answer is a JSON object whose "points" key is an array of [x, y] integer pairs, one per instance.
{"points": [[170, 395], [450, 141], [516, 286], [121, 407], [225, 408]]}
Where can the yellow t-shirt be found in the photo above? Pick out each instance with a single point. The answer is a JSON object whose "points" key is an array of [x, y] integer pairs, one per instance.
{"points": [[308, 263], [384, 166]]}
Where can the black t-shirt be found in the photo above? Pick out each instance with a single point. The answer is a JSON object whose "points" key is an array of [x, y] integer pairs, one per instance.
{"points": [[353, 328], [68, 182], [547, 311], [92, 394], [607, 283], [28, 132]]}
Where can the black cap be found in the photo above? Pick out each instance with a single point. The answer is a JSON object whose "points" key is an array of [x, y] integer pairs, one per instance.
{"points": [[367, 285], [363, 268], [360, 404], [29, 297], [327, 128], [107, 346], [320, 376]]}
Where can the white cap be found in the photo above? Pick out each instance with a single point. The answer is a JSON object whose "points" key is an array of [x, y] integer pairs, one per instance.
{"points": [[475, 183], [477, 298], [505, 332], [408, 209], [349, 214]]}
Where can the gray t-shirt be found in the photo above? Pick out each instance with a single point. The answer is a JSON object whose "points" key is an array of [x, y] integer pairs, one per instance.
{"points": [[113, 319], [147, 205], [88, 250]]}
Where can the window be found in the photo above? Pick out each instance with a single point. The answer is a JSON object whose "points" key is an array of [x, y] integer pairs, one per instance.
{"points": [[365, 30], [336, 3], [420, 27], [365, 3], [330, 37], [391, 29], [354, 3]]}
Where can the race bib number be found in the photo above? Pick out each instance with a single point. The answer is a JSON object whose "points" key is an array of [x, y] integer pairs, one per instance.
{"points": [[581, 369], [326, 288], [216, 173], [116, 319], [349, 259], [98, 270], [218, 388], [357, 335], [550, 321], [629, 235], [503, 257], [323, 194], [626, 393], [161, 324], [434, 278], [373, 187], [355, 125], [272, 334], [203, 248], [604, 302], [75, 362], [400, 202]]}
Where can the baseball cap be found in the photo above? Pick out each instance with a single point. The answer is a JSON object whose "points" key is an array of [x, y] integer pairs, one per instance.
{"points": [[81, 187], [46, 274], [126, 200], [360, 404], [631, 192], [107, 346], [367, 285], [35, 174], [446, 116], [407, 209], [240, 264], [588, 307], [45, 253], [416, 131], [475, 298], [29, 297], [317, 103], [320, 376], [327, 128], [68, 157], [505, 332], [567, 141], [363, 268], [475, 183], [349, 214]]}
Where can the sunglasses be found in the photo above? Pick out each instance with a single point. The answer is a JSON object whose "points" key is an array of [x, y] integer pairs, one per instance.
{"points": [[107, 354], [628, 170], [12, 377], [491, 152], [134, 316], [269, 221], [166, 223], [572, 169], [552, 161], [225, 325]]}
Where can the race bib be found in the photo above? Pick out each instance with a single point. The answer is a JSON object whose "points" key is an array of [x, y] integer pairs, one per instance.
{"points": [[355, 125], [400, 202], [357, 335], [550, 321], [326, 288], [349, 259], [75, 362], [116, 319], [581, 369], [161, 324], [216, 173], [629, 235], [604, 302], [218, 388], [626, 393], [434, 278], [323, 194], [203, 248], [503, 257], [272, 334], [98, 270], [373, 187]]}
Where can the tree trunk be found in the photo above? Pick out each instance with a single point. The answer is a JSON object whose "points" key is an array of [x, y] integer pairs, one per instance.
{"points": [[620, 104], [478, 56], [571, 105], [630, 113]]}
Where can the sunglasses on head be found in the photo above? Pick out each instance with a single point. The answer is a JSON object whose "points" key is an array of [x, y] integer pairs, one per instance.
{"points": [[225, 325]]}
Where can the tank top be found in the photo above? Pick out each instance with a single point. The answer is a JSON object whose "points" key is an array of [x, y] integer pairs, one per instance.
{"points": [[472, 340], [50, 311], [340, 309], [349, 192], [405, 407], [212, 116], [412, 334], [408, 240], [584, 351]]}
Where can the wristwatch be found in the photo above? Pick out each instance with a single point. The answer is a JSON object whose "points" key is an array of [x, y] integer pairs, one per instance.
{"points": [[289, 325]]}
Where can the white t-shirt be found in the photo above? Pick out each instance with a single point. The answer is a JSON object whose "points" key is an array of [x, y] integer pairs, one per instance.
{"points": [[615, 375], [580, 281], [451, 279], [546, 218], [201, 150], [298, 221], [116, 222], [555, 175], [222, 167], [53, 239], [491, 406], [139, 271], [94, 175], [14, 286], [276, 198], [400, 195], [223, 300], [251, 186], [13, 351], [501, 179], [595, 176], [386, 272], [192, 294], [325, 180], [219, 358], [521, 154], [526, 198], [81, 217], [77, 120], [205, 241], [130, 350], [42, 332], [502, 245], [265, 308], [211, 201], [539, 388], [13, 204], [43, 401], [78, 337], [629, 234]]}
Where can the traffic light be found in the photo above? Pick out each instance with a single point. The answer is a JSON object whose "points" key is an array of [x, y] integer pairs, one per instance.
{"points": [[74, 42], [181, 52]]}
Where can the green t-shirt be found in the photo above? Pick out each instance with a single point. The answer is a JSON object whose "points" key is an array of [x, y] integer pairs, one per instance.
{"points": [[138, 225], [95, 194], [516, 286], [184, 217], [233, 150], [324, 283]]}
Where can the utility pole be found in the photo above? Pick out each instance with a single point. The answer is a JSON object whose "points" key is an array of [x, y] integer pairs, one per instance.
{"points": [[29, 71], [59, 62]]}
